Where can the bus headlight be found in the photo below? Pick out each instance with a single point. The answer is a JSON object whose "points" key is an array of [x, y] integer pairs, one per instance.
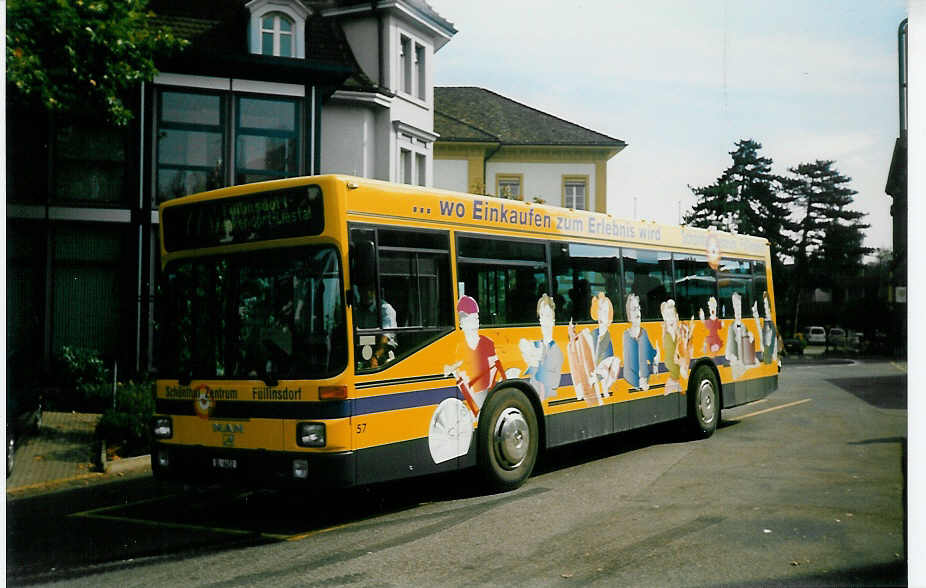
{"points": [[310, 434], [162, 428]]}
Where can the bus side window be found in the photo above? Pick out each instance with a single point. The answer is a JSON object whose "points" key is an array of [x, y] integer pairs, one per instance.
{"points": [[695, 284], [409, 302], [648, 274], [580, 272], [505, 277]]}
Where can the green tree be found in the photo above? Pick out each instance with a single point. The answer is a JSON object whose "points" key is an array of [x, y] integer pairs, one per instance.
{"points": [[749, 198], [82, 55], [830, 236]]}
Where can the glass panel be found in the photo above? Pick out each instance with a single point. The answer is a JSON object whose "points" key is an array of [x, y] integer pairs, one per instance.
{"points": [[190, 148], [648, 274], [499, 249], [727, 285], [174, 183], [265, 315], [268, 22], [421, 168], [261, 114], [266, 44], [286, 45], [90, 164], [285, 24], [505, 296], [580, 272], [183, 107], [266, 153], [86, 276], [695, 284]]}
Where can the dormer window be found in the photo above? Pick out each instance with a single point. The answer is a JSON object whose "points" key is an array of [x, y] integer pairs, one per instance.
{"points": [[276, 35], [277, 28]]}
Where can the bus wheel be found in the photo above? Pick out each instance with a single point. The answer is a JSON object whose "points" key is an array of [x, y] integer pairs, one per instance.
{"points": [[508, 439], [703, 402]]}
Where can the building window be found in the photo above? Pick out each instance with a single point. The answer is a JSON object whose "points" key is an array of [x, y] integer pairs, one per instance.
{"points": [[195, 139], [90, 163], [575, 190], [509, 186], [419, 70], [277, 28], [190, 144], [421, 167], [276, 35], [405, 57], [267, 139], [405, 166], [87, 274]]}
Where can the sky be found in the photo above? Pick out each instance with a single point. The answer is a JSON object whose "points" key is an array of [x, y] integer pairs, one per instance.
{"points": [[681, 82]]}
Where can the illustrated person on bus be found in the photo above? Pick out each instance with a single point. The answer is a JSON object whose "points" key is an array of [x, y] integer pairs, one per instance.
{"points": [[677, 348], [478, 367], [607, 367], [712, 342], [544, 358], [640, 357], [769, 334], [741, 344]]}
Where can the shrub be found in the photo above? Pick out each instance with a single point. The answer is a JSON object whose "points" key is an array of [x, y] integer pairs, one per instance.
{"points": [[126, 428], [84, 379]]}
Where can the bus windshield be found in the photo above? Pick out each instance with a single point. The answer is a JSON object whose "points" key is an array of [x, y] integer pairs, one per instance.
{"points": [[257, 315]]}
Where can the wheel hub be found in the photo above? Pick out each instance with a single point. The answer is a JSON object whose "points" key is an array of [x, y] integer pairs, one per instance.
{"points": [[706, 402], [512, 438]]}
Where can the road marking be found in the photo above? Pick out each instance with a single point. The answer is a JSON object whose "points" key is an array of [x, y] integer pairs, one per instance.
{"points": [[758, 412], [96, 513], [899, 367], [164, 524]]}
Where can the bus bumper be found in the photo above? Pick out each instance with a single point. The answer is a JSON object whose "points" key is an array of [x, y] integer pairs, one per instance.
{"points": [[253, 468]]}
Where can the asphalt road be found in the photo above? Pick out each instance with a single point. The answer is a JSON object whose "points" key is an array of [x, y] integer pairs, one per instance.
{"points": [[804, 488]]}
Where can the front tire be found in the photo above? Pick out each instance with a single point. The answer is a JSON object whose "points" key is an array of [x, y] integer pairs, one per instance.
{"points": [[509, 439], [703, 402]]}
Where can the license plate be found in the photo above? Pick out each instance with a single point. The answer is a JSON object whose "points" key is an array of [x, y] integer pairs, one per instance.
{"points": [[224, 464]]}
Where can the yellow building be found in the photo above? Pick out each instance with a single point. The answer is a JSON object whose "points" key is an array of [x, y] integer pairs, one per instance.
{"points": [[490, 144]]}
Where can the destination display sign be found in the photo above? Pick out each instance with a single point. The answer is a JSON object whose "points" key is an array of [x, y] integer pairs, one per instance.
{"points": [[253, 217]]}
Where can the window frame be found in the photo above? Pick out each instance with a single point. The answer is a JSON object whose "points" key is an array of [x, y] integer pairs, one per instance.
{"points": [[507, 178], [277, 33], [428, 334], [576, 180], [504, 263]]}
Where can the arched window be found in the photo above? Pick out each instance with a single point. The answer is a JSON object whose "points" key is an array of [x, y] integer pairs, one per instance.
{"points": [[277, 28], [277, 35]]}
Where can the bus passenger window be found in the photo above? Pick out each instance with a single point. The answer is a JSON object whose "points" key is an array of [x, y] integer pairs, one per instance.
{"points": [[648, 274], [695, 284], [409, 302], [580, 272], [734, 275], [505, 277]]}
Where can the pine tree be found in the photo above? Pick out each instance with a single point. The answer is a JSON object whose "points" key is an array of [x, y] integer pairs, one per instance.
{"points": [[829, 235], [749, 197]]}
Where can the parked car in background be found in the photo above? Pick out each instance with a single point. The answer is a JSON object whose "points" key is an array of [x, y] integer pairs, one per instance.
{"points": [[794, 345], [836, 337], [815, 335]]}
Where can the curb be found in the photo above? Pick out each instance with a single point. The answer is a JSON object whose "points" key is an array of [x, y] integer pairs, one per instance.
{"points": [[122, 465]]}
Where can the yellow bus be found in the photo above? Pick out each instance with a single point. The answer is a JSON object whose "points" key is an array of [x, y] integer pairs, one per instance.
{"points": [[337, 331]]}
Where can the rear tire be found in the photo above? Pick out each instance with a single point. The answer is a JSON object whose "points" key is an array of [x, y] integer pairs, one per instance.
{"points": [[703, 402], [509, 439]]}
